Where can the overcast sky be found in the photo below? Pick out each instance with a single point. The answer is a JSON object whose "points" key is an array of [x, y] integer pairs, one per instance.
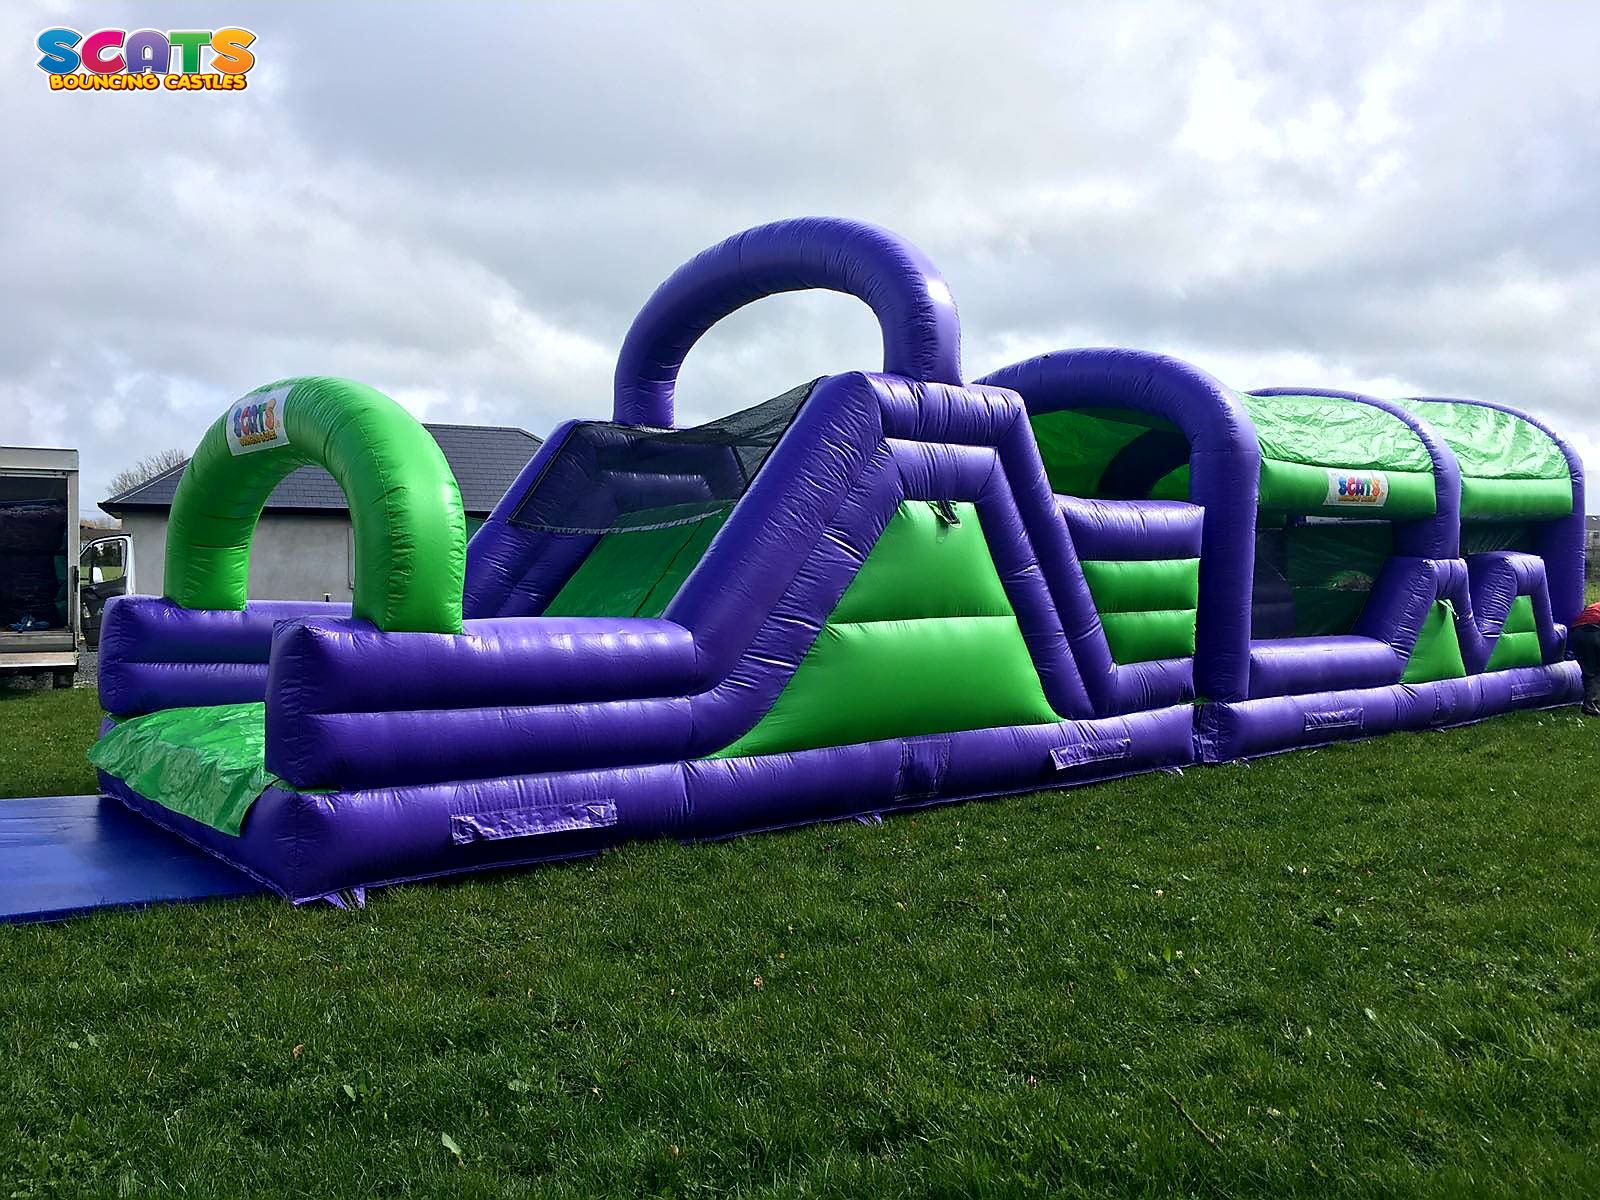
{"points": [[465, 205]]}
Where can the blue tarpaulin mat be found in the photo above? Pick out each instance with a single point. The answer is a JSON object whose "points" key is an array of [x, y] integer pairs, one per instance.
{"points": [[61, 855]]}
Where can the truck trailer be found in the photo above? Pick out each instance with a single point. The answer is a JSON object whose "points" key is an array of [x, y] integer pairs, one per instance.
{"points": [[51, 586]]}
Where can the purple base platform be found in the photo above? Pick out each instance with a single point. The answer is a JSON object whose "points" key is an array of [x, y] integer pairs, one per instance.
{"points": [[311, 845], [1252, 728]]}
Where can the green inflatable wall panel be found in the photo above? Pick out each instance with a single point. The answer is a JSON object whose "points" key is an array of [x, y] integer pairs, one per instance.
{"points": [[1147, 608], [1527, 499], [1437, 654], [1519, 639], [923, 641]]}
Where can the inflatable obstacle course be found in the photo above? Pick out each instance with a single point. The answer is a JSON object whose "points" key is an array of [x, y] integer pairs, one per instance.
{"points": [[878, 590]]}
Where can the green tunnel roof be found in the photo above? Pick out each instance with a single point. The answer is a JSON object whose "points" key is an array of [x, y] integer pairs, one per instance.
{"points": [[1323, 456], [1509, 467], [1314, 447], [1325, 431], [1311, 447]]}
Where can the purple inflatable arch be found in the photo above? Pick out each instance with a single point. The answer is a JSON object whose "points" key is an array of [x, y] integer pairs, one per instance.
{"points": [[921, 334], [660, 623]]}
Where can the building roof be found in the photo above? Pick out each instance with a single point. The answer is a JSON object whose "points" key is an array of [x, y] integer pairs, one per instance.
{"points": [[486, 460]]}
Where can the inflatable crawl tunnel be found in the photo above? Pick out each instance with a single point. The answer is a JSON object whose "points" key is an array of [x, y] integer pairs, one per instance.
{"points": [[877, 590], [1365, 565]]}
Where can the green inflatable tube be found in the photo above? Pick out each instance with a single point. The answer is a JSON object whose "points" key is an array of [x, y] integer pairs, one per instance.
{"points": [[410, 530]]}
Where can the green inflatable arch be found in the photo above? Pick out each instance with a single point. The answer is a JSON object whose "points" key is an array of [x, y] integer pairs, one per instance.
{"points": [[410, 531]]}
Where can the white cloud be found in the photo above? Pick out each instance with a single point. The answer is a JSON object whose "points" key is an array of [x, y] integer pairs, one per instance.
{"points": [[1387, 196]]}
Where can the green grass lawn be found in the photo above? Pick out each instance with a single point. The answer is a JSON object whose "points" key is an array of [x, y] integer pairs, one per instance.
{"points": [[1373, 970], [43, 738]]}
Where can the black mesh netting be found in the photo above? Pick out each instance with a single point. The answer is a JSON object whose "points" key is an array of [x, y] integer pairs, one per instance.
{"points": [[1313, 576], [610, 478]]}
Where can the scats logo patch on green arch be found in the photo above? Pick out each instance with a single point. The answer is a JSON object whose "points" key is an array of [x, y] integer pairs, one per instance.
{"points": [[256, 422]]}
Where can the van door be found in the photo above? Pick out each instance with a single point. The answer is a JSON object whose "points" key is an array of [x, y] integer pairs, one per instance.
{"points": [[105, 569]]}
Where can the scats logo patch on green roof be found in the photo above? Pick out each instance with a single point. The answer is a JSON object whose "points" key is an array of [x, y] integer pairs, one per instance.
{"points": [[1358, 489]]}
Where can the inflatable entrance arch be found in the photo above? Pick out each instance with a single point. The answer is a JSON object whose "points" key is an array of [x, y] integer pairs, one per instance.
{"points": [[410, 530]]}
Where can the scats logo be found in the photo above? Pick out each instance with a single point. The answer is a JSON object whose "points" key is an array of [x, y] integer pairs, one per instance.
{"points": [[257, 422], [1366, 489], [183, 60], [254, 423]]}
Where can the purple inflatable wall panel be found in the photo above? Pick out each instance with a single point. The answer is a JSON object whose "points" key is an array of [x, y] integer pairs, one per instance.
{"points": [[155, 655], [1133, 529], [310, 845], [523, 738]]}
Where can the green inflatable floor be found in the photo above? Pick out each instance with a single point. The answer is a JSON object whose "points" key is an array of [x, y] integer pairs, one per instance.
{"points": [[206, 763]]}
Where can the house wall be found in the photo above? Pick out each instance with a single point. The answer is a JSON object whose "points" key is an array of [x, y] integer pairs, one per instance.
{"points": [[293, 557]]}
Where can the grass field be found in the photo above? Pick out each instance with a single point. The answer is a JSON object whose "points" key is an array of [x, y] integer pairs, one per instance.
{"points": [[43, 737], [1366, 971]]}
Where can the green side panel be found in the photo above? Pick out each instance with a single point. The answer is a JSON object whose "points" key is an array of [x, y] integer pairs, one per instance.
{"points": [[1134, 587], [1521, 619], [1490, 444], [922, 566], [1519, 639], [1305, 490], [637, 572], [1147, 608], [861, 683], [1524, 499], [923, 641], [1078, 446], [1145, 636], [1515, 650], [1437, 654], [206, 763], [409, 528], [1174, 486], [1321, 431]]}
